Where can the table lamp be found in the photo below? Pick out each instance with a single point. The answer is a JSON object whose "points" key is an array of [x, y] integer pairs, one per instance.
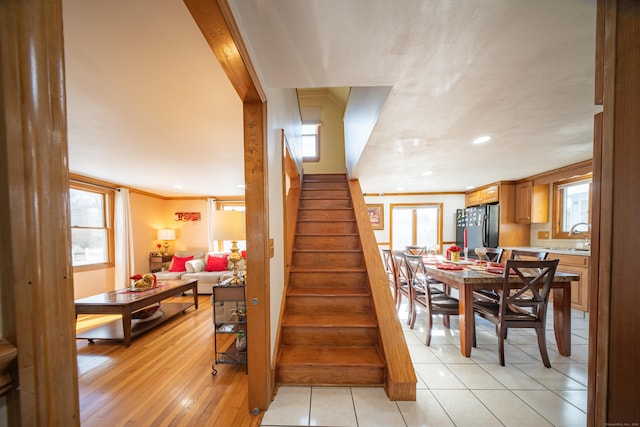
{"points": [[229, 225], [166, 234]]}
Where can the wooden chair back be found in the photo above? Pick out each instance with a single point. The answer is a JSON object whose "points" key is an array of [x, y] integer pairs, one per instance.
{"points": [[494, 254], [524, 255], [415, 250], [533, 294]]}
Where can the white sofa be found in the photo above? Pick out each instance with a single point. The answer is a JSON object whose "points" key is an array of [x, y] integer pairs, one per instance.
{"points": [[196, 269]]}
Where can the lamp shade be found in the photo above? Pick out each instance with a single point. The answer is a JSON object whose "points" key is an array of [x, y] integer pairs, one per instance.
{"points": [[166, 234], [228, 225]]}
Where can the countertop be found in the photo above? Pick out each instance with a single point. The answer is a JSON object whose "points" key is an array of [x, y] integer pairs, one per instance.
{"points": [[554, 250]]}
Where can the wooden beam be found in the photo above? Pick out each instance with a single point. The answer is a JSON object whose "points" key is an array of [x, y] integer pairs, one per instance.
{"points": [[216, 22]]}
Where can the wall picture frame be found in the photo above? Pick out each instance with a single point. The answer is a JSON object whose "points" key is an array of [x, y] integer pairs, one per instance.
{"points": [[376, 215]]}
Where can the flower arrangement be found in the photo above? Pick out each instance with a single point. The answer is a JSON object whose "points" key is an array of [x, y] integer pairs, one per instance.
{"points": [[453, 253]]}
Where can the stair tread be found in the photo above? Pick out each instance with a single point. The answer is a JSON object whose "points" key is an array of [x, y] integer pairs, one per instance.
{"points": [[321, 320], [325, 234], [328, 292], [328, 269], [331, 251], [330, 355], [326, 220]]}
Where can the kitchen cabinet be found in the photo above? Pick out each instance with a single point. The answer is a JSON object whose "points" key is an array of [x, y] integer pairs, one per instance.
{"points": [[579, 265], [574, 264], [532, 203], [490, 194]]}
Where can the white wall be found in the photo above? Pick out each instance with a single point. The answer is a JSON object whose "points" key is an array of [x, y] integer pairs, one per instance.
{"points": [[283, 113]]}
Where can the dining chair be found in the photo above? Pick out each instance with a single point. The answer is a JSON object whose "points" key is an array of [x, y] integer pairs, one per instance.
{"points": [[523, 305], [493, 255], [401, 281], [521, 254], [387, 261], [416, 250], [422, 295]]}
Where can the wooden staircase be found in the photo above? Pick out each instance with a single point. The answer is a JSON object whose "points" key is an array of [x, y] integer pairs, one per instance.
{"points": [[329, 334]]}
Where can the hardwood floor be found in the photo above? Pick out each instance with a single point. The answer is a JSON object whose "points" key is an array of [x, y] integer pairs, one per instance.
{"points": [[163, 379]]}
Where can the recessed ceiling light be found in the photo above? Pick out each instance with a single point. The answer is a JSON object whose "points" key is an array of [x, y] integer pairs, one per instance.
{"points": [[426, 173], [469, 187], [481, 139], [399, 188], [241, 186], [178, 186]]}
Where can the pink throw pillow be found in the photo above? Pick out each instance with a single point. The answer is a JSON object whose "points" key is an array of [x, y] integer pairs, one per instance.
{"points": [[179, 263], [216, 263]]}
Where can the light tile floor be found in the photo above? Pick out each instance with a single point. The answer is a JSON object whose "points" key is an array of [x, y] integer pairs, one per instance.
{"points": [[453, 390]]}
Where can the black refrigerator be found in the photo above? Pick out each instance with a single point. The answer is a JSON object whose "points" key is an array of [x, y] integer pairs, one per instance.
{"points": [[481, 223]]}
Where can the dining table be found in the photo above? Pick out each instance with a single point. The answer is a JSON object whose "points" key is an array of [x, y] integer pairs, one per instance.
{"points": [[467, 276]]}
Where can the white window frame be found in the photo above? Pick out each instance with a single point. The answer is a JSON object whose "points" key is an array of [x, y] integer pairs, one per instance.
{"points": [[107, 225], [415, 238], [311, 132]]}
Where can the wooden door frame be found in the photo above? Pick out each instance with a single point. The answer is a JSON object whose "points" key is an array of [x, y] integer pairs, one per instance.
{"points": [[218, 27], [35, 266]]}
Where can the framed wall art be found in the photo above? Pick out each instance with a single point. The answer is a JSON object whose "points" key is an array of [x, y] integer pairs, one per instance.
{"points": [[376, 215]]}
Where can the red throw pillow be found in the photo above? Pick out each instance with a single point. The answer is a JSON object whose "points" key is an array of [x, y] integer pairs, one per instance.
{"points": [[243, 254], [179, 263], [216, 263]]}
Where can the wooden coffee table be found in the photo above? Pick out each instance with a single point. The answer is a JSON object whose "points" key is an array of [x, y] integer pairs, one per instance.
{"points": [[124, 302]]}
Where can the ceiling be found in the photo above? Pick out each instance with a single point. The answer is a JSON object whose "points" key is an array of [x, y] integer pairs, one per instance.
{"points": [[150, 107]]}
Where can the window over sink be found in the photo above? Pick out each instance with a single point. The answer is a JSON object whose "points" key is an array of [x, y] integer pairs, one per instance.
{"points": [[572, 208]]}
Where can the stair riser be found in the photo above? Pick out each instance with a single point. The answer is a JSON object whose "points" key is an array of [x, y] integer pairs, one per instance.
{"points": [[330, 336], [325, 215], [327, 260], [330, 375], [320, 227], [309, 280], [325, 185], [337, 177], [328, 304], [326, 243], [325, 204], [324, 194]]}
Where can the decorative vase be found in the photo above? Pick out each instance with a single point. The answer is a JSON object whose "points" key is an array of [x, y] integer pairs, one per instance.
{"points": [[241, 342], [455, 256]]}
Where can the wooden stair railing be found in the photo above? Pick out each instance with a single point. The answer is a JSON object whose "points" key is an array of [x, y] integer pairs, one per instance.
{"points": [[338, 327], [400, 376]]}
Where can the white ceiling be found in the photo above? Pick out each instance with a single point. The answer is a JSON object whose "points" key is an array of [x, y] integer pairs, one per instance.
{"points": [[149, 106]]}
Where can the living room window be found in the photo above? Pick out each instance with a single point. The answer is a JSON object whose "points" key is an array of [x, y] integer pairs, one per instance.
{"points": [[91, 212], [310, 143], [416, 224], [571, 206]]}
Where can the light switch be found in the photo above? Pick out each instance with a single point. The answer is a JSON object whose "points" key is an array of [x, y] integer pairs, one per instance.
{"points": [[543, 234]]}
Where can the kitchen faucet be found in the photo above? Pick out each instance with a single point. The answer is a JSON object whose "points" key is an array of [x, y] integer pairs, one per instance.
{"points": [[572, 231]]}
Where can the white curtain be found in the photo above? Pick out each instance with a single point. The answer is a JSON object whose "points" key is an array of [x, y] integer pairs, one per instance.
{"points": [[211, 206], [123, 238]]}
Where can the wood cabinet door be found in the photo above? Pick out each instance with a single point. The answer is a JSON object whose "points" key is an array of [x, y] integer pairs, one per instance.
{"points": [[523, 202]]}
